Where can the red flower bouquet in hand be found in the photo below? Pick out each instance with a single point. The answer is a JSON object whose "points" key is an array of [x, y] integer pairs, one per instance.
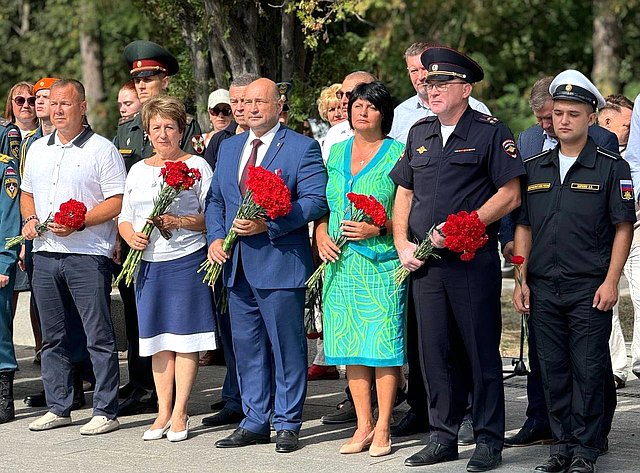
{"points": [[363, 208], [267, 196], [72, 214], [463, 233], [176, 177], [517, 262]]}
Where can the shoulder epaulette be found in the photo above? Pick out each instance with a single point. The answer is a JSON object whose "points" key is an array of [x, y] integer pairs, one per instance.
{"points": [[189, 119], [5, 122], [484, 118], [608, 154], [5, 159], [422, 121], [539, 155]]}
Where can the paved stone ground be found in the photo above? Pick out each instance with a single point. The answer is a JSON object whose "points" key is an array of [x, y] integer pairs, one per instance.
{"points": [[123, 451]]}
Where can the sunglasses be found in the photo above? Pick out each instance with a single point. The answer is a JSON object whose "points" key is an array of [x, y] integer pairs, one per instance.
{"points": [[20, 100], [215, 111], [340, 94]]}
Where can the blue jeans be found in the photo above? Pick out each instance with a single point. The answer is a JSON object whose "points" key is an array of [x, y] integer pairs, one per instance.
{"points": [[63, 283]]}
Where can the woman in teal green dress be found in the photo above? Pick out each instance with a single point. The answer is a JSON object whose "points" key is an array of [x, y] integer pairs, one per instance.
{"points": [[364, 309]]}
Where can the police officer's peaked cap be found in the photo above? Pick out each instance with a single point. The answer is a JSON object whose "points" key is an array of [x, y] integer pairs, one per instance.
{"points": [[574, 85], [146, 58], [444, 64]]}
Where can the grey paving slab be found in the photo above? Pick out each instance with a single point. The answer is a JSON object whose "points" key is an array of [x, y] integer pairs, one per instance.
{"points": [[65, 450]]}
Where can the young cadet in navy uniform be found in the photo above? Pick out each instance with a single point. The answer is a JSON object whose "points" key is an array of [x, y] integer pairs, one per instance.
{"points": [[9, 227], [151, 65], [574, 231], [459, 159]]}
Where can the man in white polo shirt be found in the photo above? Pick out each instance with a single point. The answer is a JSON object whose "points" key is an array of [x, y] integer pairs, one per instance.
{"points": [[71, 267]]}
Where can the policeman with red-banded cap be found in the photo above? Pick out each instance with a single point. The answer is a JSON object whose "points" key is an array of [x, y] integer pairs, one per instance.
{"points": [[459, 159], [574, 231], [151, 65]]}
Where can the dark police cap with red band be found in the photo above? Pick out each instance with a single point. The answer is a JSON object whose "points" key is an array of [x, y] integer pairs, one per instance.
{"points": [[444, 64], [146, 58]]}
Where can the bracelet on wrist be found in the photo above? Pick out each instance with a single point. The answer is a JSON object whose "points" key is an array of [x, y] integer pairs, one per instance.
{"points": [[31, 217]]}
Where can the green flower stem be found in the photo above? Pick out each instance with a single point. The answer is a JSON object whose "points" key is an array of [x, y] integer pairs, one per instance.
{"points": [[19, 239]]}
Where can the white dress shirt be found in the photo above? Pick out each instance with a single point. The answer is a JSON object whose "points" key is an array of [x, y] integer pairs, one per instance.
{"points": [[266, 139]]}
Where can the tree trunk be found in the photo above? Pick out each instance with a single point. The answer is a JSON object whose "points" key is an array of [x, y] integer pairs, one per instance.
{"points": [[287, 46], [201, 72], [235, 27], [91, 56], [606, 48], [219, 64]]}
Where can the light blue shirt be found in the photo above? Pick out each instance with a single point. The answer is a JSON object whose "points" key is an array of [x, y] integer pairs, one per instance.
{"points": [[412, 110], [632, 155]]}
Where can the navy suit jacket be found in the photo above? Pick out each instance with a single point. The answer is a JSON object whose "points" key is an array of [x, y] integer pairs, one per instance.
{"points": [[281, 257], [530, 143]]}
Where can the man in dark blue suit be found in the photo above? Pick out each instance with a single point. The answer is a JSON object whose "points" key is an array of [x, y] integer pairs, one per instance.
{"points": [[267, 269], [532, 141]]}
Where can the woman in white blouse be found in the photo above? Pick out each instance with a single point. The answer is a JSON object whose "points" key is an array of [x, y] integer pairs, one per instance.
{"points": [[175, 309]]}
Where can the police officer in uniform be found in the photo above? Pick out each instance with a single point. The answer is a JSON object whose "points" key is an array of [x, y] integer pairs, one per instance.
{"points": [[9, 227], [151, 65], [459, 159], [574, 230]]}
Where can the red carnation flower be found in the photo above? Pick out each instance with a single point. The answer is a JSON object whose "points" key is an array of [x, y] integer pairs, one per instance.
{"points": [[517, 260], [71, 214]]}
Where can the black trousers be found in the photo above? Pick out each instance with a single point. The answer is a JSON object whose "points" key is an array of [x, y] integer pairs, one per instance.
{"points": [[459, 322], [139, 367], [572, 343]]}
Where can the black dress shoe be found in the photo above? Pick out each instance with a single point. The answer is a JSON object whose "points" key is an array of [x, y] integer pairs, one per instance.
{"points": [[286, 441], [484, 458], [218, 405], [582, 465], [40, 400], [126, 391], [410, 424], [242, 438], [224, 417], [529, 435], [555, 464], [345, 413], [433, 453], [140, 401], [36, 400], [465, 432]]}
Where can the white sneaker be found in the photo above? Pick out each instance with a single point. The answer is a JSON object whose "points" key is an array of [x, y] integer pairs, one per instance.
{"points": [[49, 421], [99, 425]]}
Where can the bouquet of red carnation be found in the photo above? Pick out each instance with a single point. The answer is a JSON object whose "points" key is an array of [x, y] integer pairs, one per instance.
{"points": [[363, 208], [71, 214], [463, 233], [267, 196], [176, 177]]}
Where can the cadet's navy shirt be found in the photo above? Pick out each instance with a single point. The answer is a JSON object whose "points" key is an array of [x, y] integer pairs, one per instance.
{"points": [[480, 157], [573, 223]]}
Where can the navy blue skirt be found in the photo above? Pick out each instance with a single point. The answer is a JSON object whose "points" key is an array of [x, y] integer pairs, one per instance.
{"points": [[175, 308]]}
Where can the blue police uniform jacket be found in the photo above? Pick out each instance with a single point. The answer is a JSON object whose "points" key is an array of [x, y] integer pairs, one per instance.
{"points": [[480, 157]]}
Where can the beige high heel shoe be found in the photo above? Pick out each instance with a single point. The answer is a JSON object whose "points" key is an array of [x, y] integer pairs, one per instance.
{"points": [[357, 447], [376, 451]]}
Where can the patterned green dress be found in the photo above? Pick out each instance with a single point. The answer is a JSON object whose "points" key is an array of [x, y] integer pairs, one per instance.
{"points": [[364, 310]]}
